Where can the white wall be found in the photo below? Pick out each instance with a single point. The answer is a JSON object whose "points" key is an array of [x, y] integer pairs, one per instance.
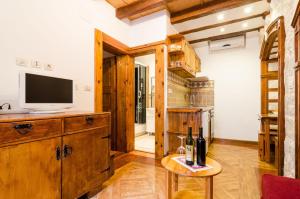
{"points": [[236, 73], [148, 29], [62, 33]]}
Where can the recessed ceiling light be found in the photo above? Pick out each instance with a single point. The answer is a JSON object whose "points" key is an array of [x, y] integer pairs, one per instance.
{"points": [[247, 10], [245, 25], [220, 16], [222, 29]]}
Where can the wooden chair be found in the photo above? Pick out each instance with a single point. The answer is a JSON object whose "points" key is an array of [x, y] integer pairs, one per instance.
{"points": [[268, 135]]}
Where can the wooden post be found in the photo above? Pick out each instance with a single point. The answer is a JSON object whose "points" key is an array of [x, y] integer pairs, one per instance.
{"points": [[159, 102], [98, 68]]}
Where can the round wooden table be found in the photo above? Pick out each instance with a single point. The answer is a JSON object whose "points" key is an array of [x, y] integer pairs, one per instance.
{"points": [[175, 169]]}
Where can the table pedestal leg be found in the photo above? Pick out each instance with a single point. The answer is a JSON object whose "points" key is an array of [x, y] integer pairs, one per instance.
{"points": [[209, 187], [172, 184]]}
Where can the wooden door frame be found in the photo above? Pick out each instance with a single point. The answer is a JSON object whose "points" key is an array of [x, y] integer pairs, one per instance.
{"points": [[281, 106], [277, 29], [103, 40], [158, 49]]}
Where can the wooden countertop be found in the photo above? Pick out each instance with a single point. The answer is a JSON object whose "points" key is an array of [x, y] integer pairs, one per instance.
{"points": [[188, 109], [27, 116], [268, 116]]}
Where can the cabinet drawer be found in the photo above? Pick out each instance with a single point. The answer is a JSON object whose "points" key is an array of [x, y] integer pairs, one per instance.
{"points": [[86, 122], [28, 130]]}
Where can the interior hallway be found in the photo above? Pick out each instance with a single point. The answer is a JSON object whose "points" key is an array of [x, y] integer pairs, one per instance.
{"points": [[140, 177]]}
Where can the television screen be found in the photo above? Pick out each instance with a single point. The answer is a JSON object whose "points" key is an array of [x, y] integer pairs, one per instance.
{"points": [[44, 89]]}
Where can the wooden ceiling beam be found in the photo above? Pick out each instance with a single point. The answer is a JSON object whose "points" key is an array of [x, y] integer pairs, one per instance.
{"points": [[207, 9], [225, 36], [223, 23], [140, 8]]}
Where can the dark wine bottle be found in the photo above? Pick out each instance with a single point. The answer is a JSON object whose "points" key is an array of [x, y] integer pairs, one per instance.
{"points": [[201, 148], [189, 148]]}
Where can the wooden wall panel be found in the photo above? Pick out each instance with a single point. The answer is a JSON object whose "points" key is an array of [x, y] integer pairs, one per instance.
{"points": [[98, 61], [159, 102]]}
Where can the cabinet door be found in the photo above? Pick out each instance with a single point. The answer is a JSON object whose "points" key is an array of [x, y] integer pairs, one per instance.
{"points": [[30, 170], [85, 162]]}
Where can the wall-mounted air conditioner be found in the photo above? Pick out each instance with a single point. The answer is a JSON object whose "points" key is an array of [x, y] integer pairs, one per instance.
{"points": [[233, 42]]}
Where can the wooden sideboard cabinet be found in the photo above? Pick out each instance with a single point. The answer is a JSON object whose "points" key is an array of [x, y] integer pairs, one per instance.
{"points": [[53, 156]]}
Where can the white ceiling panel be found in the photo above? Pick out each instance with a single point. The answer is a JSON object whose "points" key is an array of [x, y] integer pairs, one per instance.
{"points": [[236, 13], [235, 27]]}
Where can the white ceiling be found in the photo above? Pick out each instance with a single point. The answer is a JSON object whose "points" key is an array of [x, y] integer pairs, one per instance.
{"points": [[236, 13]]}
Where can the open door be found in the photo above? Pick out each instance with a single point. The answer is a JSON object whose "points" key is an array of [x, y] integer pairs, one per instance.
{"points": [[125, 103], [110, 95]]}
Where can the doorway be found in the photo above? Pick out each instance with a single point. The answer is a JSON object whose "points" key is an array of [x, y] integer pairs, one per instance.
{"points": [[125, 111], [144, 126]]}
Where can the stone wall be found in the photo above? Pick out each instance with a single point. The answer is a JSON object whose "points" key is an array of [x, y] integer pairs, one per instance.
{"points": [[287, 8]]}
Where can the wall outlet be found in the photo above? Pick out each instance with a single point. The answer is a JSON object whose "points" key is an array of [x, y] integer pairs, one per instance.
{"points": [[48, 67], [87, 88], [36, 64], [76, 87], [21, 62]]}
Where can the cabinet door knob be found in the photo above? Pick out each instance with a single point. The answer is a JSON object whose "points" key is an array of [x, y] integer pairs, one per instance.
{"points": [[89, 119], [67, 150], [23, 128]]}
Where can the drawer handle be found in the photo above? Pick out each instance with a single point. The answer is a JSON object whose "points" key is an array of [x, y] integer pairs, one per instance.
{"points": [[58, 153], [105, 170], [67, 150], [106, 137], [89, 119], [23, 128]]}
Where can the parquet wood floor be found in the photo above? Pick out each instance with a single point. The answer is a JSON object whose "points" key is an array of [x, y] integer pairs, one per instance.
{"points": [[144, 178]]}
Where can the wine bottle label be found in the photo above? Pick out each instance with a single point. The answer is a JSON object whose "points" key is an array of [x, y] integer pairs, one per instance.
{"points": [[189, 153]]}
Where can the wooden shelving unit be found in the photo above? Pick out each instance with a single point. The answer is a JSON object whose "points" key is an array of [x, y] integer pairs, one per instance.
{"points": [[182, 71], [182, 58]]}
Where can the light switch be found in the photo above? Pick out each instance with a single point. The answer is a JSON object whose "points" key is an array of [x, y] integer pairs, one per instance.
{"points": [[36, 64], [48, 67], [87, 88]]}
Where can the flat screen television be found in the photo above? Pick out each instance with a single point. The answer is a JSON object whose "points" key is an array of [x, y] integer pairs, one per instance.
{"points": [[45, 93]]}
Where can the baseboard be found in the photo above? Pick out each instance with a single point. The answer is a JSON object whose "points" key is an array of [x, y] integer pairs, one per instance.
{"points": [[244, 143]]}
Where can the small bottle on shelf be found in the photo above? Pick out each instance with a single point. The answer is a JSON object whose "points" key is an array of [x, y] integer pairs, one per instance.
{"points": [[201, 149], [189, 148]]}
